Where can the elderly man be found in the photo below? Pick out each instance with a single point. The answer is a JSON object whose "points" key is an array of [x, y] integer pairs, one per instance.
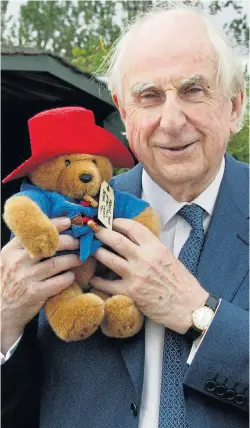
{"points": [[179, 91]]}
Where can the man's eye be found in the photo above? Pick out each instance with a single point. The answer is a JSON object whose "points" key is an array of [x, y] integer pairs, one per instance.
{"points": [[194, 90], [148, 95], [67, 162]]}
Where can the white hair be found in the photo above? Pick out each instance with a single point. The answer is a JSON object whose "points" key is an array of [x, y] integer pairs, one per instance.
{"points": [[229, 70]]}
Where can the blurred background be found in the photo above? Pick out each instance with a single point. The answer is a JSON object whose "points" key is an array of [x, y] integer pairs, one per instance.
{"points": [[51, 52]]}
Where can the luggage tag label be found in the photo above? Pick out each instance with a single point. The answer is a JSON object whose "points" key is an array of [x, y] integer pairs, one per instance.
{"points": [[106, 205]]}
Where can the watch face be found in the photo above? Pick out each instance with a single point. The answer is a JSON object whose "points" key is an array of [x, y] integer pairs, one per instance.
{"points": [[202, 317]]}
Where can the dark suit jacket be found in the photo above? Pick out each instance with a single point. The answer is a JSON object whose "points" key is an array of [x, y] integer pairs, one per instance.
{"points": [[97, 383]]}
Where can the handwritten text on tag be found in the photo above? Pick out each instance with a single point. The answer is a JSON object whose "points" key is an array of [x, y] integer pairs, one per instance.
{"points": [[106, 205]]}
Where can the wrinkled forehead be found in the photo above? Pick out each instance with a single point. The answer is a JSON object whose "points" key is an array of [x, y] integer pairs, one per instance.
{"points": [[170, 48]]}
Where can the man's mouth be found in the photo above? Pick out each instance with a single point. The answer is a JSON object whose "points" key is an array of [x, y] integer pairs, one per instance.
{"points": [[179, 148]]}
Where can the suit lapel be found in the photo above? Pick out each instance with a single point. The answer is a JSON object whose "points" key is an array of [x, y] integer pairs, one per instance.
{"points": [[129, 182], [133, 351]]}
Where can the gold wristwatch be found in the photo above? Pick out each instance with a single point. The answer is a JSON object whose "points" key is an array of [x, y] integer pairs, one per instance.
{"points": [[202, 317]]}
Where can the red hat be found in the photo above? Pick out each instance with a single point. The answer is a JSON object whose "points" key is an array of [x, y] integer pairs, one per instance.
{"points": [[68, 130]]}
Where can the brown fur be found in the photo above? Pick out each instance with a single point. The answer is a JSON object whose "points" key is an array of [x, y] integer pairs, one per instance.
{"points": [[82, 276], [72, 314], [122, 318], [150, 220], [54, 176], [33, 228]]}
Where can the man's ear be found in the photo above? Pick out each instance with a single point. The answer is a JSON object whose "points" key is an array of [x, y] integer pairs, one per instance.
{"points": [[120, 108], [237, 105]]}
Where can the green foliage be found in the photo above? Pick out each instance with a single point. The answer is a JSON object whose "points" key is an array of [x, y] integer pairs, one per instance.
{"points": [[90, 58], [60, 26], [83, 31], [5, 22], [79, 30], [238, 28], [4, 5], [239, 144], [117, 171]]}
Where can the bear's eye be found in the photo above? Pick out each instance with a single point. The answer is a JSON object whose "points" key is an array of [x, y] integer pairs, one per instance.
{"points": [[67, 162], [94, 161]]}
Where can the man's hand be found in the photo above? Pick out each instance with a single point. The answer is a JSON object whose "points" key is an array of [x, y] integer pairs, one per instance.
{"points": [[27, 283], [160, 285]]}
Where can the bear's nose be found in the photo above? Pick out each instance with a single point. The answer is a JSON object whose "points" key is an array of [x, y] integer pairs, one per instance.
{"points": [[86, 178]]}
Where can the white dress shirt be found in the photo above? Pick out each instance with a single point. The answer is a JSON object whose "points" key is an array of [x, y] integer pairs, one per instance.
{"points": [[175, 232]]}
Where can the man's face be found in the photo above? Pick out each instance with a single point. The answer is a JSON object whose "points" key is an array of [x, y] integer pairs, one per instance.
{"points": [[176, 117]]}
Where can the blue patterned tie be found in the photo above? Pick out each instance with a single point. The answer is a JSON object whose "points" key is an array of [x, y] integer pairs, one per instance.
{"points": [[172, 412]]}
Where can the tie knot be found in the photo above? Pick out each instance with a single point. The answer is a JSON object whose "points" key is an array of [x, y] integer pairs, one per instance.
{"points": [[193, 214]]}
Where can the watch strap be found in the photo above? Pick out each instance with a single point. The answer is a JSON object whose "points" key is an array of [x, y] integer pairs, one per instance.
{"points": [[192, 334], [212, 302]]}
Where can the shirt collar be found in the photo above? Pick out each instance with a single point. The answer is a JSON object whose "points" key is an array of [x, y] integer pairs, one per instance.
{"points": [[167, 207]]}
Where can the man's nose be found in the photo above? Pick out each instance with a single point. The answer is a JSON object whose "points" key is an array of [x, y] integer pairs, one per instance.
{"points": [[172, 116], [86, 178]]}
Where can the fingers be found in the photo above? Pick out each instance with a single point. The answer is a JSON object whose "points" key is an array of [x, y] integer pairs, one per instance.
{"points": [[11, 245], [135, 231], [13, 254], [94, 226], [110, 287], [61, 223], [112, 261], [67, 242], [55, 265], [119, 243], [18, 253], [55, 285]]}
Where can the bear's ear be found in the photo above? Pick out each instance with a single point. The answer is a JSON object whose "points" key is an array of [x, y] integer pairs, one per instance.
{"points": [[46, 175], [105, 167]]}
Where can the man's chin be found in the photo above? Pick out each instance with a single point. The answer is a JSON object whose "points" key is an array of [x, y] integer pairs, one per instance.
{"points": [[178, 174]]}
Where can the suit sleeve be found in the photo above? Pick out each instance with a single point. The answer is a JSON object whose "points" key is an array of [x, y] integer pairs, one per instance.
{"points": [[21, 383], [220, 368]]}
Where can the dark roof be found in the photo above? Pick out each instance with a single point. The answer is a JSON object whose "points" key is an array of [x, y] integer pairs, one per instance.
{"points": [[17, 50], [15, 58]]}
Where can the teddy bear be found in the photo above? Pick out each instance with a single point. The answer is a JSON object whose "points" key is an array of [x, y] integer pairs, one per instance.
{"points": [[71, 159]]}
